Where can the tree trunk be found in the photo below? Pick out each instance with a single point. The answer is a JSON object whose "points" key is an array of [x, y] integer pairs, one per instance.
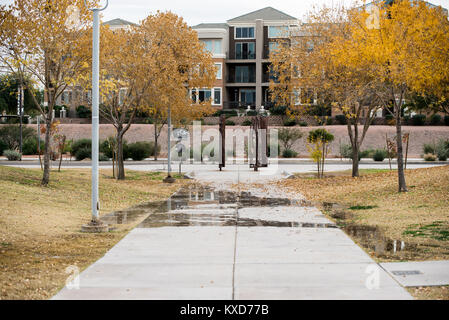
{"points": [[401, 174], [47, 151], [354, 137], [155, 142], [120, 160], [355, 160]]}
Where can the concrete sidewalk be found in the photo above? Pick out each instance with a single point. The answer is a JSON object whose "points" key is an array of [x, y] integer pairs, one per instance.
{"points": [[207, 247]]}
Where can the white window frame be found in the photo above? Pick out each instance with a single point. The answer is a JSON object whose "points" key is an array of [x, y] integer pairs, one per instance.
{"points": [[235, 32], [241, 43], [282, 36], [214, 41], [221, 70], [213, 96]]}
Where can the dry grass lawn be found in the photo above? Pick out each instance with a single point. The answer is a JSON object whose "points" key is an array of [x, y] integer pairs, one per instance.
{"points": [[40, 227], [418, 216]]}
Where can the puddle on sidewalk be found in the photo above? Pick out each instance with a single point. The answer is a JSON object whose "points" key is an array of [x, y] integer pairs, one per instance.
{"points": [[198, 205]]}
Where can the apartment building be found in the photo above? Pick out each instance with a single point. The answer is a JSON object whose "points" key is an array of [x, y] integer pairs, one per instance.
{"points": [[240, 49]]}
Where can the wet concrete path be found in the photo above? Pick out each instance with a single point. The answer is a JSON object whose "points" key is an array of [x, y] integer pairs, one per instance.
{"points": [[209, 244]]}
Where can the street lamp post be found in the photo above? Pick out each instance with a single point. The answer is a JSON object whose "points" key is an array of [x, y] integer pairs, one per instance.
{"points": [[95, 225], [169, 178], [20, 101]]}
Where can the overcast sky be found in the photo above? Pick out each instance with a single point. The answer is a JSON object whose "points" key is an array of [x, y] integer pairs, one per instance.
{"points": [[198, 11]]}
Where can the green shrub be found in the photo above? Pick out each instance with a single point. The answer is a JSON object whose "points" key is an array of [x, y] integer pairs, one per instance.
{"points": [[419, 120], [435, 120], [103, 157], [230, 123], [139, 151], [288, 137], [407, 119], [152, 149], [68, 146], [58, 110], [341, 119], [252, 113], [83, 112], [288, 153], [368, 153], [290, 123], [346, 151], [12, 155], [247, 123], [329, 121], [29, 146], [81, 144], [10, 135], [279, 110], [388, 117], [379, 155], [320, 134], [446, 120], [429, 148], [106, 148], [442, 150], [430, 157], [227, 113], [83, 153], [303, 124]]}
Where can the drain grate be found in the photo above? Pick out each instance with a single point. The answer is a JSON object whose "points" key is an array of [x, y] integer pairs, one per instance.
{"points": [[406, 273]]}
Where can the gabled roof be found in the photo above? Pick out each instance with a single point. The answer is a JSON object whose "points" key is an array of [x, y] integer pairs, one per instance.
{"points": [[118, 22], [267, 13], [211, 26]]}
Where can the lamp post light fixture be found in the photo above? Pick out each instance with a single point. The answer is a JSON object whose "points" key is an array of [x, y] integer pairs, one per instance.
{"points": [[95, 225]]}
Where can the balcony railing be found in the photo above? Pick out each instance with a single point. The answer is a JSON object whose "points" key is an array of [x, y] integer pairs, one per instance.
{"points": [[249, 78], [236, 105]]}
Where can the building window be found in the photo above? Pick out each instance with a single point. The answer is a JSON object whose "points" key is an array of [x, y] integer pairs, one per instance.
{"points": [[218, 75], [213, 46], [244, 33], [245, 50], [277, 32], [205, 95], [245, 74], [66, 97], [248, 96], [217, 96]]}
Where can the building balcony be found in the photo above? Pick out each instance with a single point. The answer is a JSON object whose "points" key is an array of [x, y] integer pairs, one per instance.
{"points": [[247, 79], [236, 105]]}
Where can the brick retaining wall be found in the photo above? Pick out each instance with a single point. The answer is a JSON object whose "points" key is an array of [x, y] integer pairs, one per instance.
{"points": [[375, 137]]}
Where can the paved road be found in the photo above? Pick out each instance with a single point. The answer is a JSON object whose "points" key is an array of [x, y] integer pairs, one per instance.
{"points": [[275, 171], [211, 244]]}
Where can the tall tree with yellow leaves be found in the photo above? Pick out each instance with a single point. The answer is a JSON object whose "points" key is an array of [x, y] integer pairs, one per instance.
{"points": [[360, 60], [45, 43], [405, 50], [151, 67], [307, 69]]}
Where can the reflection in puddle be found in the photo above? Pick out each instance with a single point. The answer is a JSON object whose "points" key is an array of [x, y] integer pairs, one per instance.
{"points": [[198, 205], [372, 238]]}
